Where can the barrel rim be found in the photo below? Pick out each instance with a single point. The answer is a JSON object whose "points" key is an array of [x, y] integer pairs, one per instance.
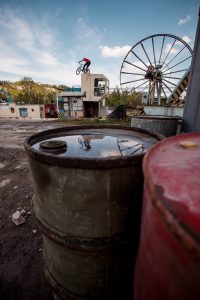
{"points": [[157, 117], [85, 162], [84, 244], [181, 232]]}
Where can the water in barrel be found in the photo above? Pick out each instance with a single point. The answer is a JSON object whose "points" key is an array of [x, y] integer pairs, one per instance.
{"points": [[94, 145]]}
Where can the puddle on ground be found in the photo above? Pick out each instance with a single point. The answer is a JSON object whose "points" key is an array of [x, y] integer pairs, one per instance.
{"points": [[98, 145]]}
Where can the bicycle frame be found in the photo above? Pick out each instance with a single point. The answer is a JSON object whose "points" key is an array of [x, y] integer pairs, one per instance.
{"points": [[80, 69]]}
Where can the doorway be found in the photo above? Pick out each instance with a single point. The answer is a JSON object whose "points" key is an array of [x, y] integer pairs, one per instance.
{"points": [[91, 109]]}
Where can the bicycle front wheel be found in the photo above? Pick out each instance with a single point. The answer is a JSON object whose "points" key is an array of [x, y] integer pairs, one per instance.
{"points": [[78, 70]]}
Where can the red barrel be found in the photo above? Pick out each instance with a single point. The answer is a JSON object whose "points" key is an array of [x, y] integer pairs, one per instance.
{"points": [[168, 262]]}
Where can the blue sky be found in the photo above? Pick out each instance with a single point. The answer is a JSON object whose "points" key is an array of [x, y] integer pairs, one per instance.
{"points": [[45, 39]]}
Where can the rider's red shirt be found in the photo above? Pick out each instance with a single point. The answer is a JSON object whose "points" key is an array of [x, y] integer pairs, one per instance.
{"points": [[86, 59]]}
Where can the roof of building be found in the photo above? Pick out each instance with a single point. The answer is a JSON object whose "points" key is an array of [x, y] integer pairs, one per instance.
{"points": [[72, 94]]}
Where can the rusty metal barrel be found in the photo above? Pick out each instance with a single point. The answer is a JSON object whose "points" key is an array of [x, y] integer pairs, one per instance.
{"points": [[165, 125], [168, 262], [88, 185]]}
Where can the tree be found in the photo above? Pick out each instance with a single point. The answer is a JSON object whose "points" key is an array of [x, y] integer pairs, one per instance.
{"points": [[134, 99], [33, 93], [115, 98], [125, 97], [51, 97]]}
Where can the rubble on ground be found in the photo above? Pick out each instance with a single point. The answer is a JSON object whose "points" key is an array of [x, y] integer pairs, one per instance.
{"points": [[19, 217]]}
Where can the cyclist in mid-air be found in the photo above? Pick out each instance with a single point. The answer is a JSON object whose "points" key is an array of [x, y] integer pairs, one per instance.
{"points": [[87, 63]]}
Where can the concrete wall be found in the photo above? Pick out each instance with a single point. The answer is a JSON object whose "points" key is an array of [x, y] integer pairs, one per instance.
{"points": [[34, 111], [87, 86], [96, 88], [103, 111], [5, 110], [170, 111], [73, 106]]}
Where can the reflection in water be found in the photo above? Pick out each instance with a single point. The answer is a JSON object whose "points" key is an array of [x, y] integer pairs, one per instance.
{"points": [[125, 145], [100, 146], [85, 143]]}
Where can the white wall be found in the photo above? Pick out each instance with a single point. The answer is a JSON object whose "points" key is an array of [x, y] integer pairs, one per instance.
{"points": [[35, 111], [87, 85]]}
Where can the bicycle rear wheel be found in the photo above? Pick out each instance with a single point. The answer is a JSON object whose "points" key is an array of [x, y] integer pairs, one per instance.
{"points": [[86, 71]]}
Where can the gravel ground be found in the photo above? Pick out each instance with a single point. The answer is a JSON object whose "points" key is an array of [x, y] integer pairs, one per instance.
{"points": [[21, 269]]}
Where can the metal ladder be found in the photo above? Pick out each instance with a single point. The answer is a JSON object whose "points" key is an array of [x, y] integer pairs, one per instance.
{"points": [[174, 97]]}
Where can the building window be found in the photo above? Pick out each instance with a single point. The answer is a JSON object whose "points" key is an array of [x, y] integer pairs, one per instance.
{"points": [[23, 112], [12, 110], [99, 86]]}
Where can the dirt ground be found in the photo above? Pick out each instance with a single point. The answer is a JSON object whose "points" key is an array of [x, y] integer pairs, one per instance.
{"points": [[21, 269]]}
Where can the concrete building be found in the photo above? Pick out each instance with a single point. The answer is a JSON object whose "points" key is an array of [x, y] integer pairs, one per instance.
{"points": [[96, 88], [18, 111], [86, 101], [70, 103]]}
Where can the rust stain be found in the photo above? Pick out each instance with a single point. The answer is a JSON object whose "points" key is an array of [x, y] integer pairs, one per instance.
{"points": [[185, 235]]}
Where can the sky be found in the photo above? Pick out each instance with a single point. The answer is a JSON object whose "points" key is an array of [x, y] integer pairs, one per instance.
{"points": [[45, 39]]}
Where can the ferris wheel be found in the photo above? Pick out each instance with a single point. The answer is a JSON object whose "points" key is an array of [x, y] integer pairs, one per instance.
{"points": [[156, 65]]}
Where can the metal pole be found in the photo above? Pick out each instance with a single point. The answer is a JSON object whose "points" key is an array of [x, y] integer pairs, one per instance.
{"points": [[191, 114], [57, 103]]}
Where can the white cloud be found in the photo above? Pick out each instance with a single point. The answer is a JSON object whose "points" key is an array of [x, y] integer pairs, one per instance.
{"points": [[30, 47], [110, 71], [85, 31], [46, 58], [25, 41], [87, 40], [187, 39], [184, 20], [14, 65], [44, 36], [26, 34], [131, 68], [16, 29], [115, 51], [18, 68], [168, 47]]}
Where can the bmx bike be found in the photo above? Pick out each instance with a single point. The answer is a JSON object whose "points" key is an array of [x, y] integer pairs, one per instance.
{"points": [[81, 69]]}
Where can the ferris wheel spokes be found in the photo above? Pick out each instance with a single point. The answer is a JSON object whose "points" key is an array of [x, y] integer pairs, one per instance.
{"points": [[154, 57]]}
